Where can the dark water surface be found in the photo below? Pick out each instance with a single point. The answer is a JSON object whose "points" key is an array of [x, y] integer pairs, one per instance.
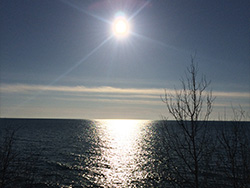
{"points": [[109, 153], [99, 153]]}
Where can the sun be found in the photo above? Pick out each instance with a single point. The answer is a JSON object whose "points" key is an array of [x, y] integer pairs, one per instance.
{"points": [[120, 27]]}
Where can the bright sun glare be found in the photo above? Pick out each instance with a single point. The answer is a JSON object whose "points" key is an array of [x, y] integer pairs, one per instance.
{"points": [[120, 27]]}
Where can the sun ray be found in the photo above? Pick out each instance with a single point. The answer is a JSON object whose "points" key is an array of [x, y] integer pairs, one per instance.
{"points": [[81, 61], [139, 10], [86, 12], [62, 75], [158, 42]]}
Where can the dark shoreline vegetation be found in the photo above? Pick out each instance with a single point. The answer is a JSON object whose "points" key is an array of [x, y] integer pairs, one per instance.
{"points": [[227, 163]]}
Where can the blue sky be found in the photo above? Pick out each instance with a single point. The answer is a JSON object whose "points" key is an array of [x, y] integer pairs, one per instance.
{"points": [[59, 58]]}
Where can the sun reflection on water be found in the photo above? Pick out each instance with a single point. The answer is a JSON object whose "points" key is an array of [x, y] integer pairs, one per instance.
{"points": [[121, 147]]}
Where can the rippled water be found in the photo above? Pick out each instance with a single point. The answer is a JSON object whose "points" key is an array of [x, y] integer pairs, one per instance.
{"points": [[83, 153], [121, 142], [109, 153]]}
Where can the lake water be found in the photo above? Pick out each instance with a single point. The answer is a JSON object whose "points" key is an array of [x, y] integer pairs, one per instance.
{"points": [[84, 153]]}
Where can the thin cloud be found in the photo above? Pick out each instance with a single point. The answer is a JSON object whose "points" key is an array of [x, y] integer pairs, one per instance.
{"points": [[142, 92], [22, 88], [232, 94], [112, 100]]}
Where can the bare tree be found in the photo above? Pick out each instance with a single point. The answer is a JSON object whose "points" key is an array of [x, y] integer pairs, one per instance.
{"points": [[234, 150], [17, 168], [188, 141], [8, 156]]}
